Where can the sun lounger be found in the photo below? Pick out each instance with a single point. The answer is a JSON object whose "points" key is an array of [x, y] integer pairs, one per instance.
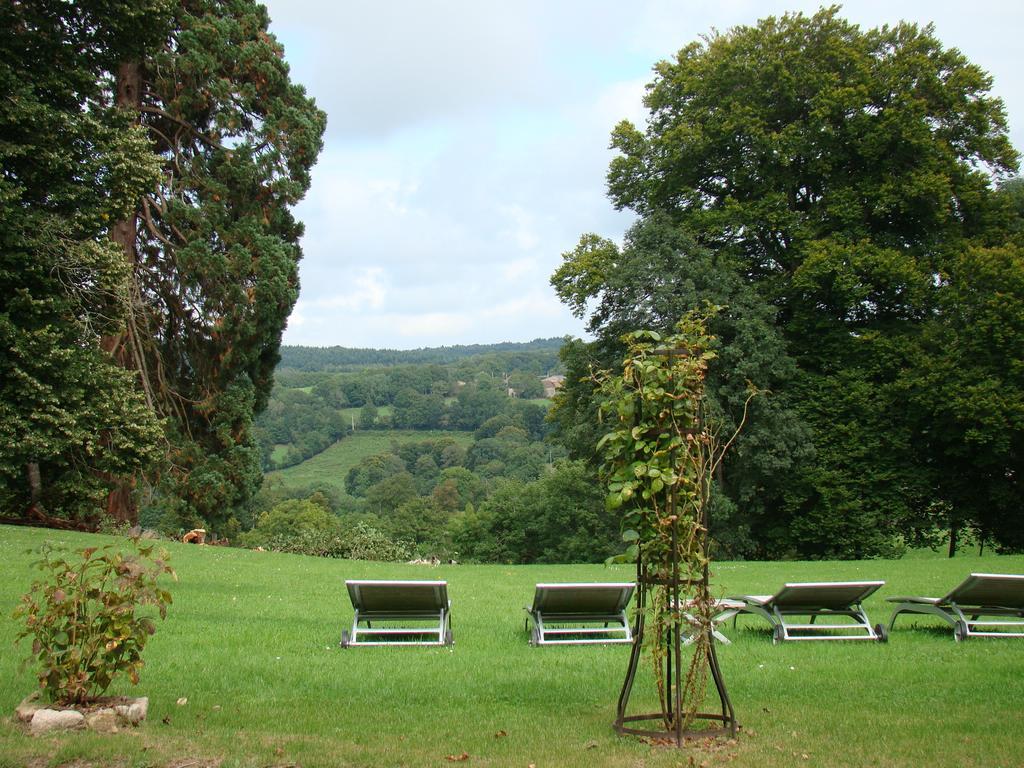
{"points": [[980, 594], [564, 614], [813, 600], [721, 611], [398, 613]]}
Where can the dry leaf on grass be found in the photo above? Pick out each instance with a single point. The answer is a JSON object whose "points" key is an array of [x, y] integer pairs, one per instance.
{"points": [[457, 758]]}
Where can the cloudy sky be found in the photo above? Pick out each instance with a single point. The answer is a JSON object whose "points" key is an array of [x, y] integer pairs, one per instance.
{"points": [[467, 144]]}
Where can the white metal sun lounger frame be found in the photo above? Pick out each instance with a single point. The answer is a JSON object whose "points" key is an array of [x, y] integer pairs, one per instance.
{"points": [[562, 627], [777, 608], [721, 611], [955, 611], [440, 611]]}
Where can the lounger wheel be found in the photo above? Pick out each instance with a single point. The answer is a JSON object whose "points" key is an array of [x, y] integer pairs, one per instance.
{"points": [[960, 631], [778, 634], [344, 638], [882, 632]]}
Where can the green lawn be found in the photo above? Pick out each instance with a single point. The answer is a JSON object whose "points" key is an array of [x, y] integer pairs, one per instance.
{"points": [[331, 466], [251, 641]]}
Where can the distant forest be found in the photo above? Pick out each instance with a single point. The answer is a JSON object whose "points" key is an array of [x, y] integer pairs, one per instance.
{"points": [[404, 455], [347, 358], [314, 405]]}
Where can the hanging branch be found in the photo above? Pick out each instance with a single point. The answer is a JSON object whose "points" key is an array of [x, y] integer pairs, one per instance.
{"points": [[185, 126]]}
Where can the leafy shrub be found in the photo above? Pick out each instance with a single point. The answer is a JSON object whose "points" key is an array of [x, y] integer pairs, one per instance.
{"points": [[290, 520], [364, 542], [315, 543], [84, 617], [361, 542], [304, 527]]}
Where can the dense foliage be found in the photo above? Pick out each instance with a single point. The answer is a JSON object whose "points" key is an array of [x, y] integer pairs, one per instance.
{"points": [[310, 410], [73, 426], [488, 502], [87, 617], [214, 248], [307, 527], [830, 185], [656, 277], [503, 498], [495, 491], [148, 261]]}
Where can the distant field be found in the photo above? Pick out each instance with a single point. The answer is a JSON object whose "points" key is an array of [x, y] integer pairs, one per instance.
{"points": [[353, 413], [332, 465], [251, 643]]}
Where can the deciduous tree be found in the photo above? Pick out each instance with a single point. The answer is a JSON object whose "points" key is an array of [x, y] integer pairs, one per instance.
{"points": [[842, 174]]}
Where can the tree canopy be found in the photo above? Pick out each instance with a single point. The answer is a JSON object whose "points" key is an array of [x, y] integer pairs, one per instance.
{"points": [[829, 184], [72, 424], [152, 152], [214, 247]]}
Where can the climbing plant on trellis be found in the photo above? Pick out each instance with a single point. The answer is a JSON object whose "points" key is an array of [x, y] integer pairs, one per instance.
{"points": [[659, 456]]}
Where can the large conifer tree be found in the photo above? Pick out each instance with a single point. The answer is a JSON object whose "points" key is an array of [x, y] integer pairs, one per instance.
{"points": [[214, 248]]}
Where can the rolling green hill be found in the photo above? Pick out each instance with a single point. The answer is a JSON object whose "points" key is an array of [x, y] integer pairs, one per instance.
{"points": [[332, 465]]}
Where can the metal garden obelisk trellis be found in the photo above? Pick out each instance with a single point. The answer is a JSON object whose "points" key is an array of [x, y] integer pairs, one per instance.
{"points": [[673, 667], [658, 460]]}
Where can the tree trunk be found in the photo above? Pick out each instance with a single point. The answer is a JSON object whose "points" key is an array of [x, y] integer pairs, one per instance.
{"points": [[120, 502], [121, 506], [952, 540], [35, 486]]}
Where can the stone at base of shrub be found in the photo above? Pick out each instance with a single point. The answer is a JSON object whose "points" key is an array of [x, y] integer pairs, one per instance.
{"points": [[105, 716], [133, 711], [28, 707], [46, 720]]}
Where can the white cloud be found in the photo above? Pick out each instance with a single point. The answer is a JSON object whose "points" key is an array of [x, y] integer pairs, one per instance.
{"points": [[536, 304], [468, 147], [623, 101], [366, 291], [379, 67], [517, 269], [431, 325], [522, 230]]}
